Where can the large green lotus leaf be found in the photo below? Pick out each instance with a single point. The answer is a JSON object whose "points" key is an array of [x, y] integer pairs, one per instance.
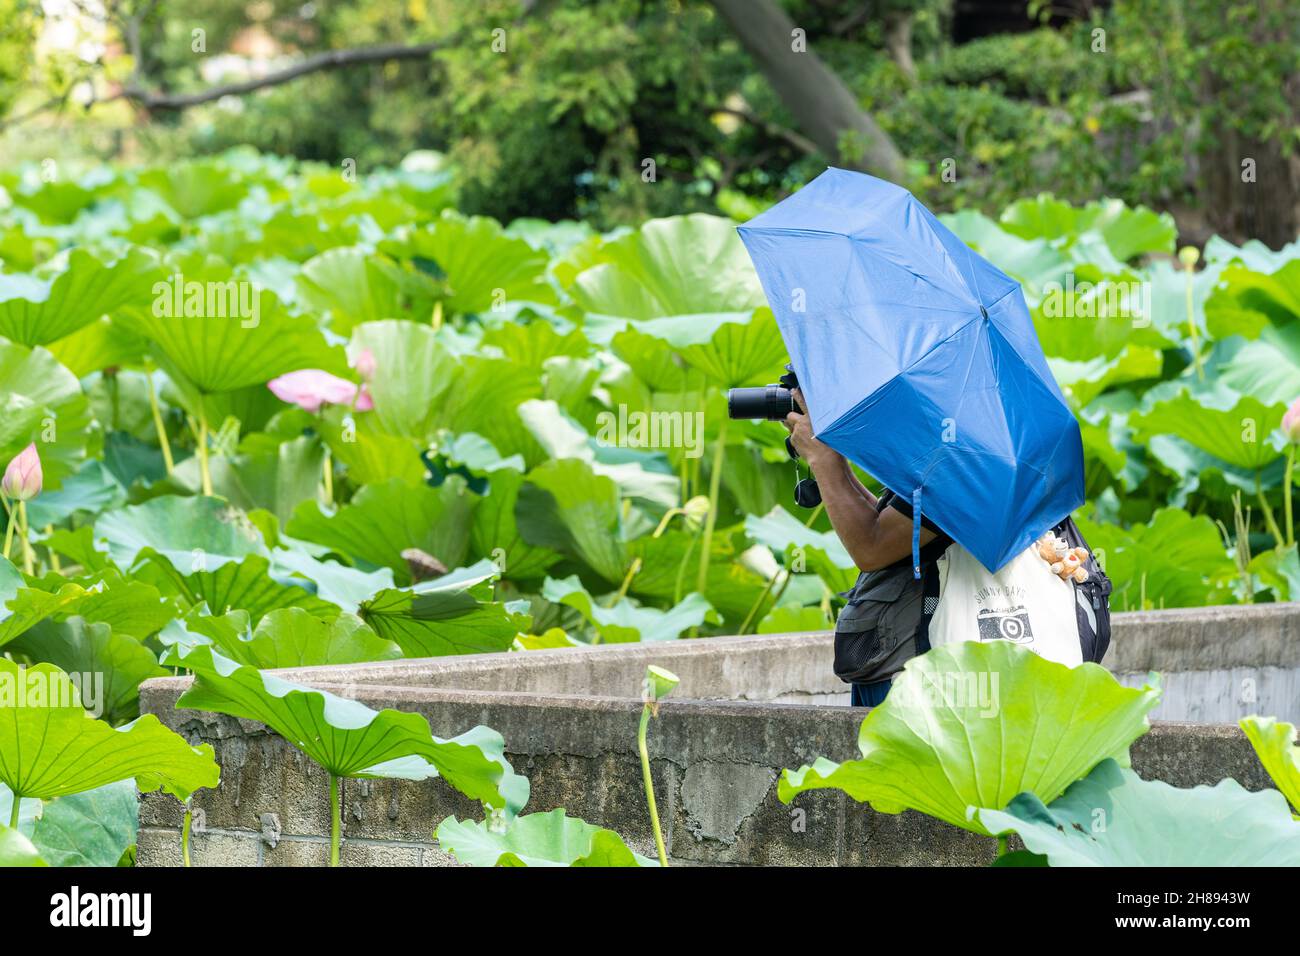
{"points": [[96, 346], [1113, 817], [1274, 743], [819, 551], [245, 584], [793, 620], [93, 828], [132, 608], [333, 582], [288, 637], [1143, 579], [680, 266], [414, 373], [23, 607], [192, 534], [658, 367], [670, 565], [216, 353], [90, 489], [741, 353], [266, 473], [371, 455], [1267, 368], [484, 400], [1035, 262], [453, 614], [381, 521], [537, 839], [1082, 381], [58, 201], [567, 507], [483, 268], [495, 532], [353, 286], [50, 747], [973, 725], [626, 621], [36, 312], [1250, 298], [42, 402], [1126, 231], [1097, 319], [17, 850], [348, 738], [1233, 428], [533, 344], [642, 473], [76, 646], [196, 187]]}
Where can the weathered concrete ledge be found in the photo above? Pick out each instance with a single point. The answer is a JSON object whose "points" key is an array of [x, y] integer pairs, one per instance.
{"points": [[569, 719]]}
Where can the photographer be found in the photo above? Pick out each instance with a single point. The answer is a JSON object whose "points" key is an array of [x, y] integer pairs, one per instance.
{"points": [[877, 632]]}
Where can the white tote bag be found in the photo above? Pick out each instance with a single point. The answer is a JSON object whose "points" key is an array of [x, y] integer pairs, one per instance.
{"points": [[1024, 603]]}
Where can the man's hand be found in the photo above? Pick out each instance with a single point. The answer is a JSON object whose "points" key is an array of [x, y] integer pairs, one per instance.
{"points": [[816, 454]]}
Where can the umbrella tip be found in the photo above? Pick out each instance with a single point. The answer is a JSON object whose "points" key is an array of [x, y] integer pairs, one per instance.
{"points": [[984, 313]]}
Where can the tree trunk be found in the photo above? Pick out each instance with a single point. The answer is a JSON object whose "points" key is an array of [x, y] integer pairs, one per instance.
{"points": [[821, 104]]}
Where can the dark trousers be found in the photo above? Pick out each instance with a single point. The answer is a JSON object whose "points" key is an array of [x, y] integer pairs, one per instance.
{"points": [[868, 695]]}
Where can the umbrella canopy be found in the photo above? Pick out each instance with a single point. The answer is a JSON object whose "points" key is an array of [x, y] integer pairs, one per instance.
{"points": [[919, 361]]}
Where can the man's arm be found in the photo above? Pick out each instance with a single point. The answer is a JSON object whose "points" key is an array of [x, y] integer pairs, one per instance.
{"points": [[874, 538]]}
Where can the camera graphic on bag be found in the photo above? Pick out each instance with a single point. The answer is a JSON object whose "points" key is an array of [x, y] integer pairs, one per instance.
{"points": [[1005, 625]]}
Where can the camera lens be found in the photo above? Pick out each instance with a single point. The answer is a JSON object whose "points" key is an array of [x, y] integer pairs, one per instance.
{"points": [[768, 402]]}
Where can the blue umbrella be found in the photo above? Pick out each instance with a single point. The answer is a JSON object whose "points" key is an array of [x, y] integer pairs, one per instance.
{"points": [[920, 362]]}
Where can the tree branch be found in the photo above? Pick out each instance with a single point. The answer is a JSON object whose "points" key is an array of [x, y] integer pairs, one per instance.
{"points": [[328, 60]]}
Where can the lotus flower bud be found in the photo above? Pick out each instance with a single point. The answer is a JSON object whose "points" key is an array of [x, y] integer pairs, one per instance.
{"points": [[1291, 422], [696, 510], [1188, 256], [365, 364], [22, 480]]}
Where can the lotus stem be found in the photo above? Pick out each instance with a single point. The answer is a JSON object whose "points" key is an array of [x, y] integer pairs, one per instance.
{"points": [[1286, 494], [185, 834], [54, 555], [437, 315], [163, 443], [1191, 324], [29, 557], [1002, 844], [335, 820], [649, 785], [205, 472], [13, 812], [633, 568], [711, 519], [744, 625], [10, 521], [327, 472], [1269, 521]]}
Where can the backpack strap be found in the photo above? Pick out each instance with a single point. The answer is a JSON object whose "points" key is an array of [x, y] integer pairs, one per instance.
{"points": [[929, 604]]}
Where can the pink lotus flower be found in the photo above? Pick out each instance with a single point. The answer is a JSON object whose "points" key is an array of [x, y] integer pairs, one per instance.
{"points": [[23, 477], [364, 402], [365, 365], [310, 388], [1291, 422]]}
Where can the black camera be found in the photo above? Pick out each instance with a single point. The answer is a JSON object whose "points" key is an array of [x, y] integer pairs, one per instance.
{"points": [[766, 402], [772, 403]]}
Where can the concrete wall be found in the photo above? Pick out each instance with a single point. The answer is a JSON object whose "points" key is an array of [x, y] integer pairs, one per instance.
{"points": [[569, 719]]}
